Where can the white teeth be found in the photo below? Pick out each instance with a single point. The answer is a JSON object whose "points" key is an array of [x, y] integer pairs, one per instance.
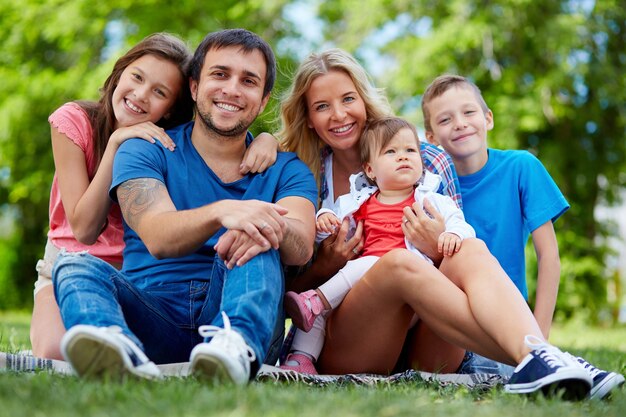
{"points": [[133, 107], [228, 107], [342, 129]]}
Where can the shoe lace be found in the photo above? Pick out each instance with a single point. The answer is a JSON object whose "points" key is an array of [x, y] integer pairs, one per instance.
{"points": [[550, 354], [136, 355], [228, 338], [593, 371]]}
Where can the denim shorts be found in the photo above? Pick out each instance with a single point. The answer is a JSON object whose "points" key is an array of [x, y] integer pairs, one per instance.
{"points": [[473, 363]]}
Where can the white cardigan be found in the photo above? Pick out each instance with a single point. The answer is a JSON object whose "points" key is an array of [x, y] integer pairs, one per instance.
{"points": [[360, 190]]}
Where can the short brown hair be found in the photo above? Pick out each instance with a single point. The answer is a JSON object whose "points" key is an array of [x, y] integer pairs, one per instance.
{"points": [[442, 84], [379, 132]]}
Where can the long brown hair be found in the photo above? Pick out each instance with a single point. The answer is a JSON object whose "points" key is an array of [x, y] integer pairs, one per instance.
{"points": [[162, 45]]}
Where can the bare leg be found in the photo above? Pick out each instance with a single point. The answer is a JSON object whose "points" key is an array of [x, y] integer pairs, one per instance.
{"points": [[483, 312], [367, 331], [429, 352], [494, 300], [46, 327]]}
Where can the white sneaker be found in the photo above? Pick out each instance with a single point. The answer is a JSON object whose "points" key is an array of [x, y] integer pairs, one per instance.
{"points": [[226, 358], [99, 351], [603, 381]]}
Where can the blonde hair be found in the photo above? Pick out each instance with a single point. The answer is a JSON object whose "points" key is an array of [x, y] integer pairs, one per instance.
{"points": [[295, 135], [442, 84]]}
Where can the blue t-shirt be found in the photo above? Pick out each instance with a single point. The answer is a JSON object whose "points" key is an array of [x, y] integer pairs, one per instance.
{"points": [[191, 184], [510, 197]]}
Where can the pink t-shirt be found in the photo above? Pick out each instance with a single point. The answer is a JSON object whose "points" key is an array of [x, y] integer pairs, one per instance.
{"points": [[71, 120]]}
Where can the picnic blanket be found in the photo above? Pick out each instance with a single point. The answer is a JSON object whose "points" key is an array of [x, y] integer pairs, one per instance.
{"points": [[24, 362]]}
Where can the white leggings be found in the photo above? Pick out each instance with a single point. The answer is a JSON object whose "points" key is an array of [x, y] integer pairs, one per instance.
{"points": [[335, 290]]}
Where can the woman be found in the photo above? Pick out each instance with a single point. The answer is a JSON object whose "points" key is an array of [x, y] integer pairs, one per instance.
{"points": [[468, 302]]}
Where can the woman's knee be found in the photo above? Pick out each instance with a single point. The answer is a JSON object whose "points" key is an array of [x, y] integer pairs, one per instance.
{"points": [[474, 247], [405, 267]]}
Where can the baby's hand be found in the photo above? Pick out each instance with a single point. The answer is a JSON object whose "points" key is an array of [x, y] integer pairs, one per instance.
{"points": [[327, 223], [448, 243]]}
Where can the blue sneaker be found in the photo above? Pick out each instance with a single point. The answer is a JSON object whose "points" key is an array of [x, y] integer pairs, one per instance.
{"points": [[99, 351], [549, 370], [603, 381]]}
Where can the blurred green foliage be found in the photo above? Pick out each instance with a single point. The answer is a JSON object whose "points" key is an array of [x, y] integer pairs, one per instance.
{"points": [[552, 72]]}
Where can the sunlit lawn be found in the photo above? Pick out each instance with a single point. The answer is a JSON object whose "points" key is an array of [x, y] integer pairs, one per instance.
{"points": [[43, 394]]}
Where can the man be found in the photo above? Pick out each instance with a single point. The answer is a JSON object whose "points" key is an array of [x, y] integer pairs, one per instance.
{"points": [[204, 244]]}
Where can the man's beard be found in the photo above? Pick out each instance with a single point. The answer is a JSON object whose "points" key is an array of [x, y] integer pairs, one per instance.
{"points": [[240, 128]]}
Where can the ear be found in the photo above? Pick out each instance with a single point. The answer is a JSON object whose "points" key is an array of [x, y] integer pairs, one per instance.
{"points": [[264, 102], [193, 87], [430, 137], [367, 168], [489, 119]]}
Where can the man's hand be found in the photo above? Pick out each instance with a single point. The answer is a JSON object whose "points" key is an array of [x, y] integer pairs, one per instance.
{"points": [[262, 221], [422, 227], [236, 247]]}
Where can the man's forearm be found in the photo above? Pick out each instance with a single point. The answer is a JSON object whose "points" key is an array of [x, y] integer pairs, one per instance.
{"points": [[166, 232], [296, 247]]}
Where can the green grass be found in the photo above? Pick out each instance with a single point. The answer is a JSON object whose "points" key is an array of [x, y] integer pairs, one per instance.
{"points": [[44, 394]]}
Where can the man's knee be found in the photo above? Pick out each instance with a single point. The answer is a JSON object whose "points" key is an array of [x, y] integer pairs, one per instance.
{"points": [[71, 266]]}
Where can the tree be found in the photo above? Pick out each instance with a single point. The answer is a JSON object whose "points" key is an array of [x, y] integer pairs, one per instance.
{"points": [[55, 51], [552, 72]]}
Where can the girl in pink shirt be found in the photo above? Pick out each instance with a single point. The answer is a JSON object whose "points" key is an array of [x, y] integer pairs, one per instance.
{"points": [[145, 94]]}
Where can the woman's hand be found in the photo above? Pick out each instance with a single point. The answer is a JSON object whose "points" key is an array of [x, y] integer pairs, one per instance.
{"points": [[260, 155], [335, 251], [422, 227], [146, 130]]}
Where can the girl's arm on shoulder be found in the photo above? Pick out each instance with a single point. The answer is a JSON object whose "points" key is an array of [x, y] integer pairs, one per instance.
{"points": [[86, 203], [548, 275], [260, 155]]}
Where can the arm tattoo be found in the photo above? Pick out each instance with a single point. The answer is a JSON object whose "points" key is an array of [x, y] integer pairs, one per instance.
{"points": [[136, 196]]}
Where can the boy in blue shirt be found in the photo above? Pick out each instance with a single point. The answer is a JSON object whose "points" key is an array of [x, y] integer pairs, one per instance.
{"points": [[507, 195]]}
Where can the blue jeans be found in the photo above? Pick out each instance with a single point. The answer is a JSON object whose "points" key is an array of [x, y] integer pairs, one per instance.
{"points": [[163, 320], [473, 363]]}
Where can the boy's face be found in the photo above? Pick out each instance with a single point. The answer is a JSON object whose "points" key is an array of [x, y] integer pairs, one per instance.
{"points": [[459, 124], [398, 165]]}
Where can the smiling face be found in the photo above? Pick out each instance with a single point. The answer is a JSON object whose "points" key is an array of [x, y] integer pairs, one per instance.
{"points": [[229, 92], [146, 91], [460, 125], [335, 110], [397, 166]]}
